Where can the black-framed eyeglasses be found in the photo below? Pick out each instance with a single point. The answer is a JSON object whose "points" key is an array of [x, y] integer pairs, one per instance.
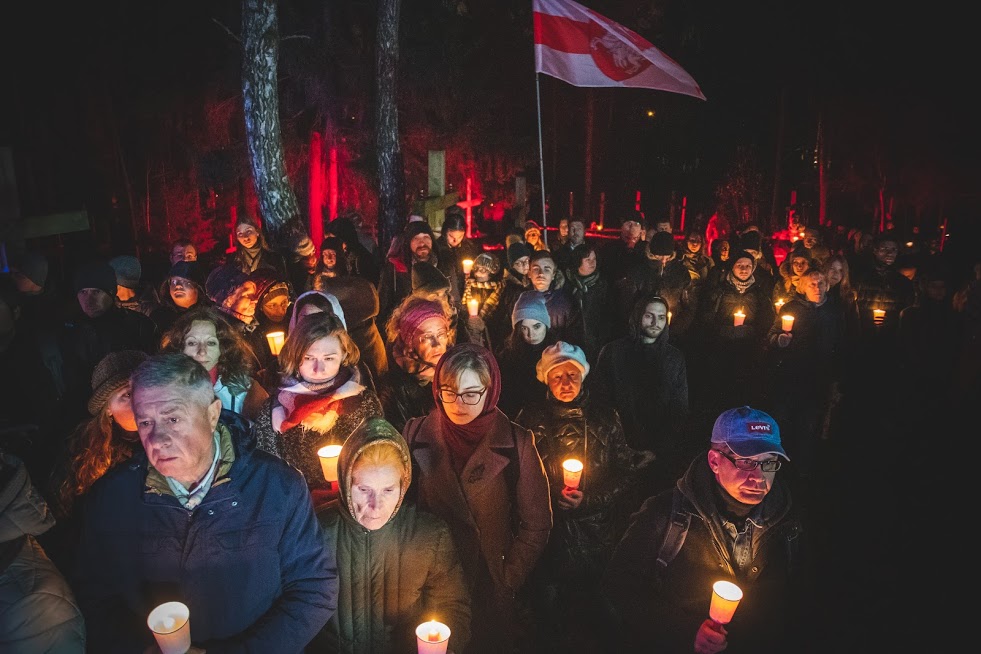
{"points": [[446, 396], [749, 464]]}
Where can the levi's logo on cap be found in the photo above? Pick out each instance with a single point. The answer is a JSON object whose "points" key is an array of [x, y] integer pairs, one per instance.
{"points": [[758, 427]]}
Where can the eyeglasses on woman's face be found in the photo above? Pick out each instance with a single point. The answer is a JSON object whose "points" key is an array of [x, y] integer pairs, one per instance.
{"points": [[446, 396]]}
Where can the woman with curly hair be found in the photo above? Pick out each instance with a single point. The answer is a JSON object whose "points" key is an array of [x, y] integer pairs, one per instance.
{"points": [[205, 335], [318, 402]]}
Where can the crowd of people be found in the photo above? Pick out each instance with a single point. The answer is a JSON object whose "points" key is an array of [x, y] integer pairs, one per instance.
{"points": [[163, 434]]}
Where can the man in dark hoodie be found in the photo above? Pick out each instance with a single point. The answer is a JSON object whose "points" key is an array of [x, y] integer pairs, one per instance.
{"points": [[361, 261], [418, 245]]}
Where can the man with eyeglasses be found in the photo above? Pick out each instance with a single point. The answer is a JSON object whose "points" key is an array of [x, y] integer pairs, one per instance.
{"points": [[728, 518]]}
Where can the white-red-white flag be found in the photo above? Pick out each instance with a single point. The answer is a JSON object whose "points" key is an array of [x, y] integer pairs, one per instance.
{"points": [[583, 48]]}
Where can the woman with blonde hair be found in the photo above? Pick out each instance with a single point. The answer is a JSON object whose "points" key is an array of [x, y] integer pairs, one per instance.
{"points": [[318, 402]]}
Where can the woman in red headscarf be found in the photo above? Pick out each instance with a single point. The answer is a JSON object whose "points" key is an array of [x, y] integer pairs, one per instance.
{"points": [[482, 473]]}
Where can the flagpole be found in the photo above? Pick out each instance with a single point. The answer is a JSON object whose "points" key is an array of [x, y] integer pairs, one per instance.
{"points": [[541, 157]]}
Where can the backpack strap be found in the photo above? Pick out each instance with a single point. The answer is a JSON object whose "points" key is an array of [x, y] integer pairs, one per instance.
{"points": [[674, 537]]}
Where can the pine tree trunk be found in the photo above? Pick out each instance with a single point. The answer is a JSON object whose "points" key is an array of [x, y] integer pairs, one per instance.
{"points": [[260, 53], [391, 174]]}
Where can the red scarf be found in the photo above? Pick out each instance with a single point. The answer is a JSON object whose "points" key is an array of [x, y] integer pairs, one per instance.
{"points": [[300, 406], [462, 440]]}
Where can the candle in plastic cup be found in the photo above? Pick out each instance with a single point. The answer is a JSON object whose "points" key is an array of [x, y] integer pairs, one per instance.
{"points": [[571, 472], [467, 265], [878, 315], [276, 340], [328, 461], [725, 599], [473, 307], [738, 318], [432, 637], [171, 626], [779, 303], [787, 322]]}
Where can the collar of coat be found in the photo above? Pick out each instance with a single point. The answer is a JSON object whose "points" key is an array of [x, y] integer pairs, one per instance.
{"points": [[157, 483]]}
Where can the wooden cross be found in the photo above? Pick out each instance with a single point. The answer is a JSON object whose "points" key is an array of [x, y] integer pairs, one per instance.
{"points": [[469, 204], [433, 206]]}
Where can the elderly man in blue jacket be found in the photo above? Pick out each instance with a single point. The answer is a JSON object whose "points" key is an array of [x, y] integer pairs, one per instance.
{"points": [[203, 518]]}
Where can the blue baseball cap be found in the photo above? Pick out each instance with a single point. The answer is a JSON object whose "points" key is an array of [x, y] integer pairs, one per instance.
{"points": [[748, 432]]}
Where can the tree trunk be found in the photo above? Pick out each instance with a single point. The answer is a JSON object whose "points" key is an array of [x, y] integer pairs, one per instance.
{"points": [[260, 53], [391, 174]]}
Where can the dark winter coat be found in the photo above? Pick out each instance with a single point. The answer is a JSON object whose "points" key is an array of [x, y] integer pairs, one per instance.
{"points": [[248, 561], [393, 578], [520, 380], [661, 612], [499, 326], [882, 287], [403, 397], [593, 299], [672, 282]]}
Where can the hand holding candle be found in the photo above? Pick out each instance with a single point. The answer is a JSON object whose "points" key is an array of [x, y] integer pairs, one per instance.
{"points": [[571, 472], [725, 599], [473, 307], [171, 627], [738, 318], [328, 461], [276, 340], [432, 637], [467, 265]]}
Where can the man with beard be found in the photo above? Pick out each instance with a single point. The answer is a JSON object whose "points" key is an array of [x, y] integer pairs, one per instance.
{"points": [[646, 379], [418, 244]]}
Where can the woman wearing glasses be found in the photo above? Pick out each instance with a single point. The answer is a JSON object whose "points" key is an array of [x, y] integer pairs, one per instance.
{"points": [[420, 333], [482, 473]]}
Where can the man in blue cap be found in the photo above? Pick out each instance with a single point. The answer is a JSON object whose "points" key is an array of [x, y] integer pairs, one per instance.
{"points": [[728, 518]]}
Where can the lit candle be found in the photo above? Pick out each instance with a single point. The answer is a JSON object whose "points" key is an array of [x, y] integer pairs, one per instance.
{"points": [[669, 317], [276, 340], [779, 303], [787, 322], [467, 265], [473, 307], [571, 472], [328, 461], [878, 316], [725, 599], [432, 637], [738, 318], [171, 627]]}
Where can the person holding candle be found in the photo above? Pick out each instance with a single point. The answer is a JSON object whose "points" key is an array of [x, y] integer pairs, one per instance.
{"points": [[882, 286], [453, 245], [205, 335], [318, 402], [482, 473], [397, 565], [589, 519], [791, 269], [804, 369], [420, 334], [483, 287], [734, 352], [730, 517], [201, 517]]}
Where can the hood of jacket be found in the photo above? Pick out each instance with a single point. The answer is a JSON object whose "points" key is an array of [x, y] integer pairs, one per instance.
{"points": [[369, 433], [22, 509]]}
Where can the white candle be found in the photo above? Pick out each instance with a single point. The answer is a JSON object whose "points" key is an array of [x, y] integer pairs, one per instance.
{"points": [[572, 472], [787, 322], [467, 265], [432, 637], [669, 317], [725, 599], [878, 316], [738, 318], [276, 340], [473, 307], [171, 627], [328, 461]]}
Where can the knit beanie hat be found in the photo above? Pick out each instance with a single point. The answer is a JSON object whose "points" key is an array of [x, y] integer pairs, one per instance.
{"points": [[742, 254], [662, 244], [415, 228], [516, 251], [560, 352], [95, 274], [488, 261], [302, 245], [34, 266], [111, 374], [416, 313], [530, 306], [278, 289], [190, 270], [427, 278], [751, 240], [128, 270]]}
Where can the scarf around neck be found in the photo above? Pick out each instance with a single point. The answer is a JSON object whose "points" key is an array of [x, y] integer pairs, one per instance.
{"points": [[742, 287], [299, 406], [463, 440]]}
